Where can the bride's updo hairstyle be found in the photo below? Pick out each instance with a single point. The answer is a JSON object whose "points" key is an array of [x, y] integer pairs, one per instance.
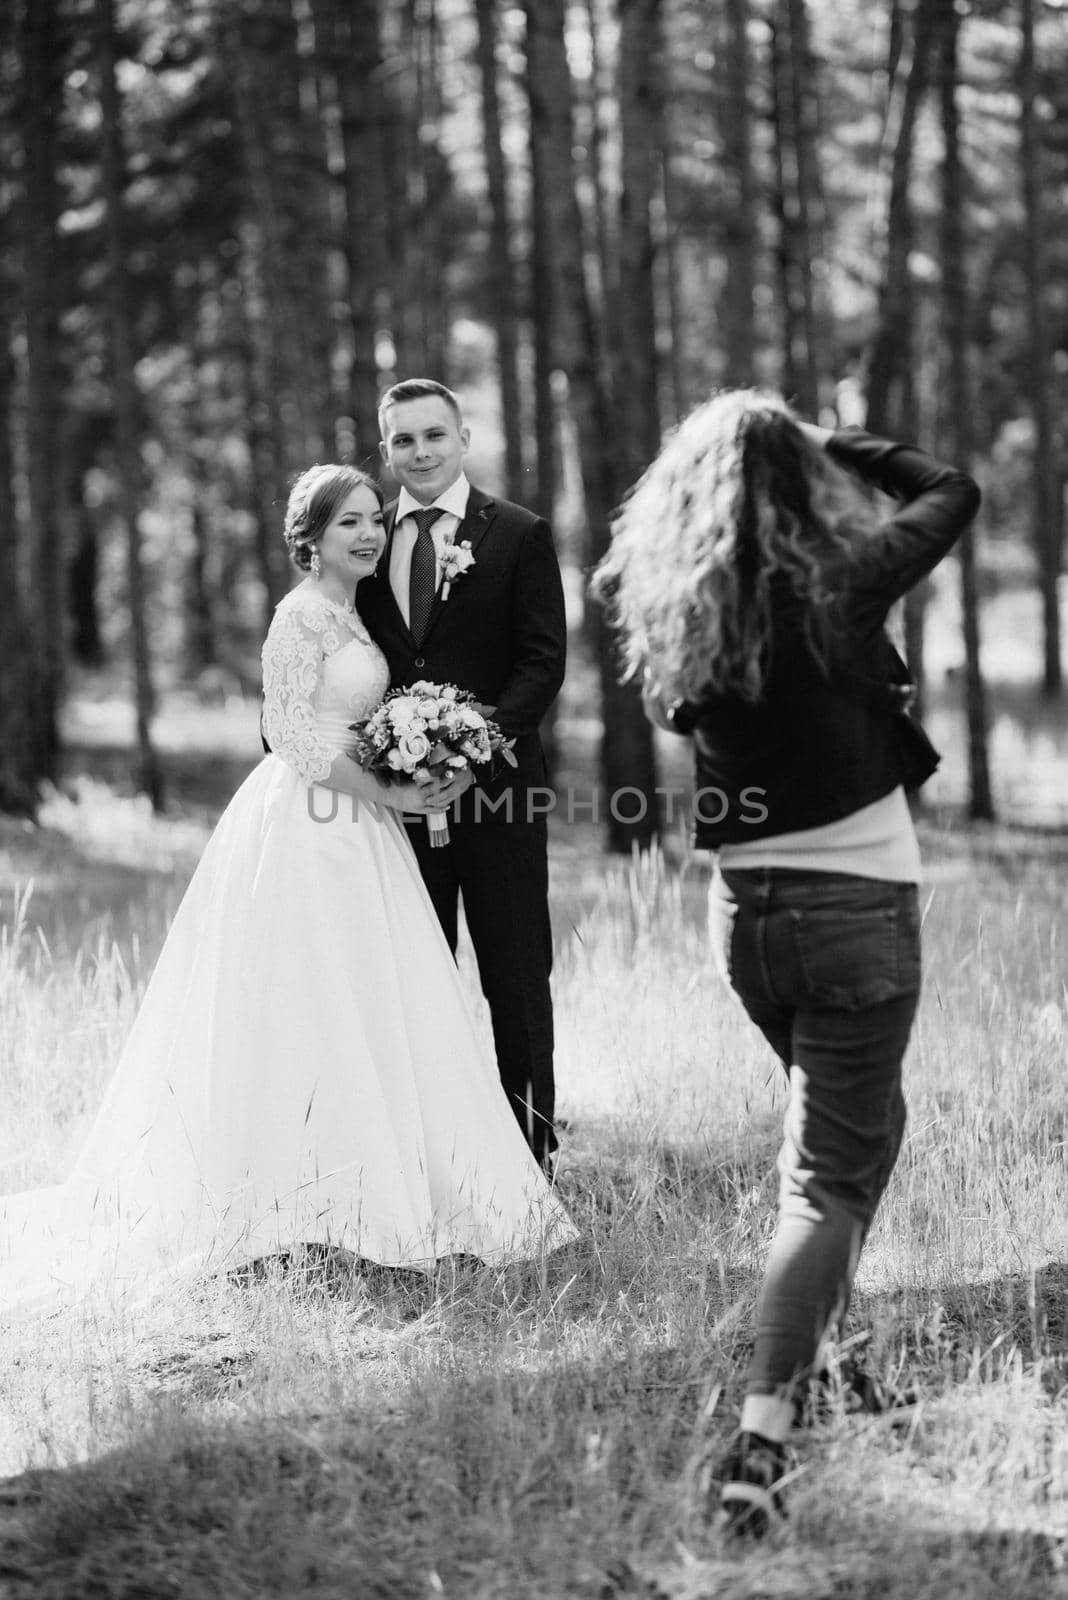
{"points": [[313, 500]]}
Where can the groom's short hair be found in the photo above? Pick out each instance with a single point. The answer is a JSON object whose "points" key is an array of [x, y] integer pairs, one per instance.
{"points": [[417, 389]]}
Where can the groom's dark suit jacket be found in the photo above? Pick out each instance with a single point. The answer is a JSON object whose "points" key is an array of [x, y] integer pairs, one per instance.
{"points": [[501, 634]]}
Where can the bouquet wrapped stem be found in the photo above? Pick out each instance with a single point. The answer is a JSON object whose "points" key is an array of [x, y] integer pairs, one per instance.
{"points": [[437, 826], [427, 731]]}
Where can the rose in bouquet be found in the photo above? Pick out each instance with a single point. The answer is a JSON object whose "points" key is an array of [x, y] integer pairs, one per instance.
{"points": [[426, 731]]}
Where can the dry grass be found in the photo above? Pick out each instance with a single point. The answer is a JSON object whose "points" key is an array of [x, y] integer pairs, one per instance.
{"points": [[545, 1431]]}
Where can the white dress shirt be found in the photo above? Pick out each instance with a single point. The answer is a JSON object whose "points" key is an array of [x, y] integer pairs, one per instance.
{"points": [[452, 502]]}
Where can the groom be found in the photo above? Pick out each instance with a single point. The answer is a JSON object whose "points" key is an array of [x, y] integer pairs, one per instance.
{"points": [[496, 628]]}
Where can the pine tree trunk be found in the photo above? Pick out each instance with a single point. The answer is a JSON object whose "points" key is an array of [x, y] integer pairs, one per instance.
{"points": [[891, 389], [605, 236], [636, 394], [429, 215], [127, 403], [199, 601], [264, 432], [627, 761], [543, 317], [84, 568], [546, 422], [961, 405], [401, 161], [890, 362], [679, 398], [41, 64], [19, 773], [786, 253], [260, 45], [501, 267], [354, 47], [740, 237], [798, 194], [1045, 512]]}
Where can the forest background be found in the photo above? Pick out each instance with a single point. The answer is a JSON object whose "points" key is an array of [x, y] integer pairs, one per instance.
{"points": [[229, 224]]}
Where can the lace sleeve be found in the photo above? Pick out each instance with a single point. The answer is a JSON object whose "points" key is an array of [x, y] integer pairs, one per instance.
{"points": [[293, 656]]}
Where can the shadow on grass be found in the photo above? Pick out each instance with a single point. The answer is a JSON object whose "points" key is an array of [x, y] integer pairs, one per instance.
{"points": [[584, 1478]]}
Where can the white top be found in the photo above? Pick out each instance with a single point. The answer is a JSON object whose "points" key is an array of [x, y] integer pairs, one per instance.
{"points": [[878, 841], [452, 502]]}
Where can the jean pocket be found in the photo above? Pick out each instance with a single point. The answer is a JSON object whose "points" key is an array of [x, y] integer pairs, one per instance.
{"points": [[851, 959]]}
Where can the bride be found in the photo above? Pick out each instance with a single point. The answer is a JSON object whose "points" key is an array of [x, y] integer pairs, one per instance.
{"points": [[304, 1067]]}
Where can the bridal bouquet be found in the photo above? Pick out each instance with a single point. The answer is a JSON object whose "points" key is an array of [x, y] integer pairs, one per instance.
{"points": [[426, 730]]}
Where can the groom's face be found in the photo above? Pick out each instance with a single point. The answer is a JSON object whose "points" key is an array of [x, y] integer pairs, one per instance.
{"points": [[424, 446]]}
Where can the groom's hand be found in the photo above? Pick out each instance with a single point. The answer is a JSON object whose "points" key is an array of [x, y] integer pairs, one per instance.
{"points": [[422, 797], [451, 790]]}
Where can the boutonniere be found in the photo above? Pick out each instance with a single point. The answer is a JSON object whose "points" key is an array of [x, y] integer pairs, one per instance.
{"points": [[456, 559]]}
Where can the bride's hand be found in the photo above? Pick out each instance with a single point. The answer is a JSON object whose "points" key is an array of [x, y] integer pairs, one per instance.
{"points": [[415, 799]]}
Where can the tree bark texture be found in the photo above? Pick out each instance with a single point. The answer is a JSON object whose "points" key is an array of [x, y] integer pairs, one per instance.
{"points": [[960, 407], [127, 400], [627, 760]]}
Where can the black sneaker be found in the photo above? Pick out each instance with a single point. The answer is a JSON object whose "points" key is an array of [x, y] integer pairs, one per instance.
{"points": [[751, 1478]]}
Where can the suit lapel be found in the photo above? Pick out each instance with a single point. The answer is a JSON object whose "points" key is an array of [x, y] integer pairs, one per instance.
{"points": [[481, 510]]}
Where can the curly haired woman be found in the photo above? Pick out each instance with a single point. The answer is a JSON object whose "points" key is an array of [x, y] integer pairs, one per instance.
{"points": [[750, 579]]}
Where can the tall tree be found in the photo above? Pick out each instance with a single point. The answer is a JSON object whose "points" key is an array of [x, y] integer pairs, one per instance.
{"points": [[127, 399], [349, 41], [1046, 521], [627, 761], [286, 226], [960, 405], [640, 125], [891, 367], [19, 773], [89, 429], [501, 266], [428, 214], [41, 52], [891, 359], [739, 221], [797, 196], [670, 226], [543, 303], [600, 187], [267, 447]]}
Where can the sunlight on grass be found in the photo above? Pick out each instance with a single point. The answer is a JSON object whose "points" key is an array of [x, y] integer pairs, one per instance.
{"points": [[545, 1429]]}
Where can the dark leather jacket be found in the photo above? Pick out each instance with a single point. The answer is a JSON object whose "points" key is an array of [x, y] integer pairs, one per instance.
{"points": [[828, 737]]}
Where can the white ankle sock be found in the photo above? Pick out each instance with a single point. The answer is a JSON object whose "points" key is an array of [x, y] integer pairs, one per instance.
{"points": [[770, 1415]]}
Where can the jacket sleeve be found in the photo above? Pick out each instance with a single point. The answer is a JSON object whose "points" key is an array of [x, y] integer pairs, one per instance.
{"points": [[293, 656], [938, 504], [539, 634]]}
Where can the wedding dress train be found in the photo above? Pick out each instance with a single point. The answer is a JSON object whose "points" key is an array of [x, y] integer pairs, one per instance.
{"points": [[304, 1066]]}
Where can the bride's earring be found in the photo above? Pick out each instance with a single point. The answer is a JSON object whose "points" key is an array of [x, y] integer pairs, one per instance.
{"points": [[316, 563]]}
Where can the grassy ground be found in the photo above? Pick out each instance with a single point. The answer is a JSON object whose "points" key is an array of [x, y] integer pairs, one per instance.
{"points": [[546, 1431]]}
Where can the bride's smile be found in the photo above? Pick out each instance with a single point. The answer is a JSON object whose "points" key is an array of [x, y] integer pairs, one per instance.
{"points": [[351, 543]]}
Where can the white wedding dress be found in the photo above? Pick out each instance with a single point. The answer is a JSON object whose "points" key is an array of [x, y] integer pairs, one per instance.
{"points": [[304, 1066]]}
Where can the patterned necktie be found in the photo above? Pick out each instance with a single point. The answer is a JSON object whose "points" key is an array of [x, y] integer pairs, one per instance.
{"points": [[423, 579]]}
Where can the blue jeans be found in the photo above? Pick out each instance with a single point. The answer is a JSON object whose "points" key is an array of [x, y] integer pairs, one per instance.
{"points": [[828, 967]]}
